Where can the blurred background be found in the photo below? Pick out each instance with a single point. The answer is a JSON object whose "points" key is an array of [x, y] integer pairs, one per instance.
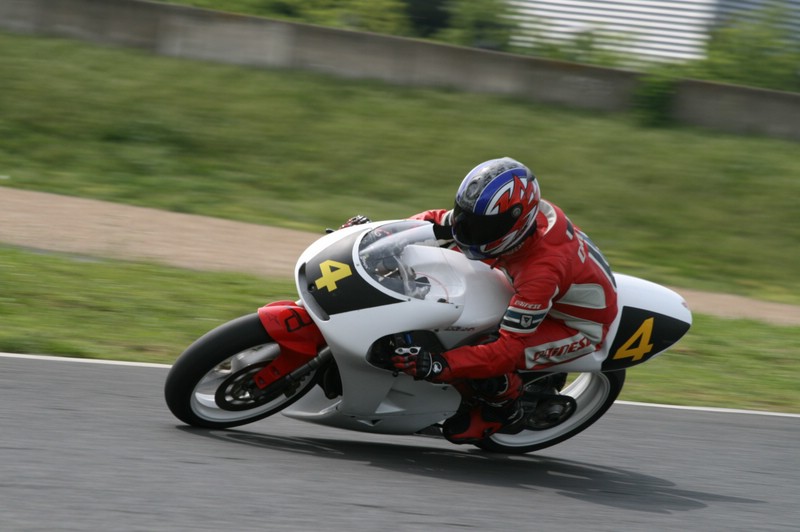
{"points": [[668, 131], [704, 37]]}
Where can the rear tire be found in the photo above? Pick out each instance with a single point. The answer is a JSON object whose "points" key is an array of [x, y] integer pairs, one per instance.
{"points": [[203, 387], [594, 394]]}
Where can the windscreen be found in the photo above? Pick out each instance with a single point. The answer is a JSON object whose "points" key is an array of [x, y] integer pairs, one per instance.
{"points": [[404, 257]]}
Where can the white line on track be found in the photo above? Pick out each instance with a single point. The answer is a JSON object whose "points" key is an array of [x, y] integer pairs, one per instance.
{"points": [[167, 366], [86, 360], [710, 409]]}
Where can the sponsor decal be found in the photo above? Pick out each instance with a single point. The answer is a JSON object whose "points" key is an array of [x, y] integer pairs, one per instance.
{"points": [[526, 306], [562, 353]]}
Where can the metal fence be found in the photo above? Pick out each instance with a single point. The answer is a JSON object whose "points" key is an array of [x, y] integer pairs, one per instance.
{"points": [[673, 30]]}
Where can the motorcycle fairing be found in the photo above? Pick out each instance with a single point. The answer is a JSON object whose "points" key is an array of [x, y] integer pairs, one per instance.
{"points": [[290, 326], [651, 318], [442, 291], [642, 334], [331, 280]]}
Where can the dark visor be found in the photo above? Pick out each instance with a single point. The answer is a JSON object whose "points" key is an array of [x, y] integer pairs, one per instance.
{"points": [[472, 229]]}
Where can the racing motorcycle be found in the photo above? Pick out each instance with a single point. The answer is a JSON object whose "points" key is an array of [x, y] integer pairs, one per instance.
{"points": [[368, 289]]}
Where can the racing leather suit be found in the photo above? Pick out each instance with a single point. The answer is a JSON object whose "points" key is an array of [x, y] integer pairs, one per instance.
{"points": [[564, 302]]}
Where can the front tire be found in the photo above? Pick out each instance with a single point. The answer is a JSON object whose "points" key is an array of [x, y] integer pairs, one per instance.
{"points": [[206, 385], [594, 394]]}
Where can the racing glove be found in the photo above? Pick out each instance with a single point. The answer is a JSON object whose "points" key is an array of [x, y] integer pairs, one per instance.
{"points": [[443, 233], [358, 219], [419, 362]]}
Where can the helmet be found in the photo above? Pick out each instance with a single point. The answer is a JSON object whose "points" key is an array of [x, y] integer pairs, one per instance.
{"points": [[495, 209]]}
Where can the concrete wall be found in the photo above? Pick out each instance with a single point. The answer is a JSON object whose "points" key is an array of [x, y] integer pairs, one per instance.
{"points": [[738, 109], [207, 35]]}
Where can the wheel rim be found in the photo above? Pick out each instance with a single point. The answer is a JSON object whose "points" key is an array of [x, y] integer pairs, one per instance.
{"points": [[218, 381], [590, 391]]}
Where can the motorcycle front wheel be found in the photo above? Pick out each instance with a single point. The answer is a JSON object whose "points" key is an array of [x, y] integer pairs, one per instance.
{"points": [[210, 383], [593, 393]]}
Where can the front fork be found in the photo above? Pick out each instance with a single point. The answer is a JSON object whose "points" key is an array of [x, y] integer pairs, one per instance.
{"points": [[303, 348]]}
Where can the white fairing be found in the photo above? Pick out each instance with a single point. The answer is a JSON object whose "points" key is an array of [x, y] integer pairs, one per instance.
{"points": [[636, 293], [434, 289]]}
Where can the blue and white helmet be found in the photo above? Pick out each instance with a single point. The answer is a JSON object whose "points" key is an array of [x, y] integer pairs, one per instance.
{"points": [[495, 208]]}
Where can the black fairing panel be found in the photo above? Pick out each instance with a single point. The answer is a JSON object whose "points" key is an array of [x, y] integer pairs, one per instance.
{"points": [[641, 335], [335, 284]]}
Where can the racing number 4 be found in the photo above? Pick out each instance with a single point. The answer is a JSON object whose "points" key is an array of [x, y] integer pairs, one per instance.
{"points": [[332, 271], [639, 344]]}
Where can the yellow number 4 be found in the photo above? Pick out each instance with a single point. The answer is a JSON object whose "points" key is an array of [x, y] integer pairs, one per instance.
{"points": [[332, 271], [639, 344]]}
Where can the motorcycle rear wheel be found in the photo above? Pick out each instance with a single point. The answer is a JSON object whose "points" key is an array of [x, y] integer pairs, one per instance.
{"points": [[594, 394], [206, 387]]}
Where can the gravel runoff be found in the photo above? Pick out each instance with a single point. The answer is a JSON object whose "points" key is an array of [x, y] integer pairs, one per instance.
{"points": [[52, 222]]}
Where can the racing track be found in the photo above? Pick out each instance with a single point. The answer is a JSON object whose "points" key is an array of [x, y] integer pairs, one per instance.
{"points": [[91, 446]]}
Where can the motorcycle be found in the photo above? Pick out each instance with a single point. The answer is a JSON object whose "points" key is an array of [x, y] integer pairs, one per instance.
{"points": [[364, 291]]}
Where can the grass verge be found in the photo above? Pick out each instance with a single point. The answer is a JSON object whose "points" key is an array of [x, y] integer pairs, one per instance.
{"points": [[86, 307], [678, 206]]}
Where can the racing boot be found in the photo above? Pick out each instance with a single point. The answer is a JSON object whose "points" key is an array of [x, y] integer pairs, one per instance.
{"points": [[494, 406]]}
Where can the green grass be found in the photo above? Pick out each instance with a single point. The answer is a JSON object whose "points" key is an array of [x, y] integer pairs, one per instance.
{"points": [[678, 206], [92, 308], [724, 363], [76, 306]]}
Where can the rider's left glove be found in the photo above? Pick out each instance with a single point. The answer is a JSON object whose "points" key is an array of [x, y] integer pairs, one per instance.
{"points": [[358, 219], [444, 236], [419, 362], [443, 232]]}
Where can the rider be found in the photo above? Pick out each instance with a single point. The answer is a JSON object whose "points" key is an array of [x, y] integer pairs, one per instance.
{"points": [[564, 302]]}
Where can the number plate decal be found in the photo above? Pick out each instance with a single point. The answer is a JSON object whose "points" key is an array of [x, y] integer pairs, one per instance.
{"points": [[642, 334]]}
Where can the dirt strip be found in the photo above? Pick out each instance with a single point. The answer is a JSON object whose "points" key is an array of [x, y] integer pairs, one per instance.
{"points": [[67, 224]]}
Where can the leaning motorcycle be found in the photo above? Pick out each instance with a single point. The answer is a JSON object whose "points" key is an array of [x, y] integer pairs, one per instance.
{"points": [[367, 289]]}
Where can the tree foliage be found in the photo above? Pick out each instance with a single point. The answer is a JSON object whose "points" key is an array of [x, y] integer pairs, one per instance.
{"points": [[427, 17], [758, 49], [478, 24], [378, 16]]}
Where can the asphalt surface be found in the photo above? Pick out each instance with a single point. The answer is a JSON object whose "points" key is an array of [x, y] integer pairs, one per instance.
{"points": [[87, 446]]}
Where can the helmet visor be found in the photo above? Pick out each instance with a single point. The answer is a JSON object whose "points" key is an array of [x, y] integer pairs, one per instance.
{"points": [[470, 229]]}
